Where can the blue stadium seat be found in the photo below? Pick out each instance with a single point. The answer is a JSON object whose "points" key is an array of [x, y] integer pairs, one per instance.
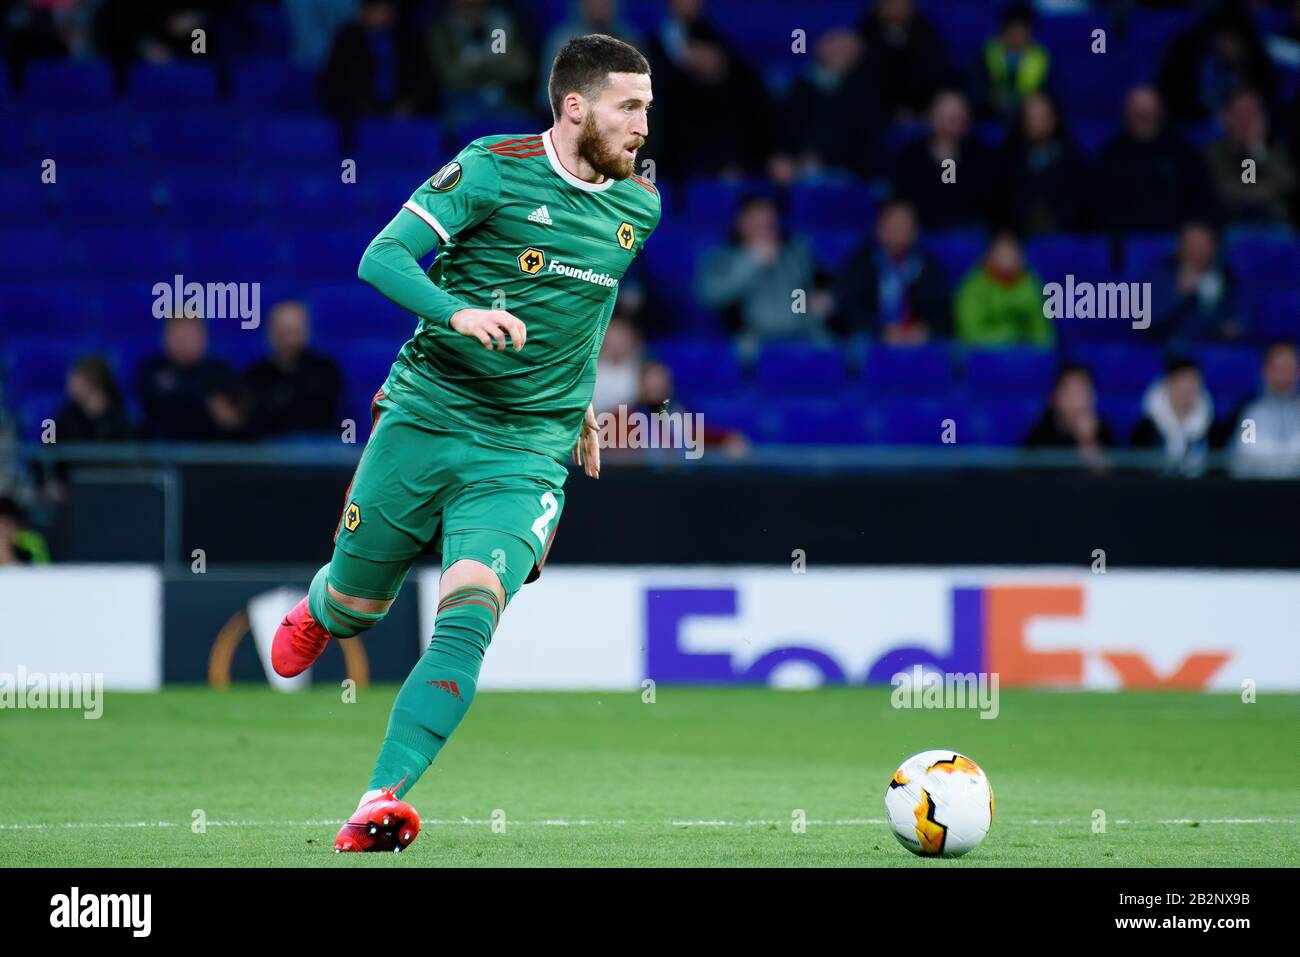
{"points": [[57, 309], [27, 253], [739, 412], [295, 140], [1144, 254], [1055, 257], [1010, 373], [177, 86], [233, 255], [125, 308], [70, 138], [819, 206], [328, 255], [38, 366], [273, 86], [1092, 135], [911, 421], [711, 203], [137, 196], [1119, 370], [1122, 415], [1232, 374], [353, 310], [200, 139], [796, 367], [998, 422], [670, 262], [26, 201], [35, 410], [907, 371], [515, 124], [134, 252], [412, 146], [831, 248], [828, 421], [322, 199], [210, 198], [1265, 262], [1275, 314], [701, 367], [957, 252], [68, 84]]}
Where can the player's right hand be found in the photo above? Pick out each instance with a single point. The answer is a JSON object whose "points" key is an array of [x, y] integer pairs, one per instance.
{"points": [[490, 327]]}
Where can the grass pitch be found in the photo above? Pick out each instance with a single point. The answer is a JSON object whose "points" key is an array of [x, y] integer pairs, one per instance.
{"points": [[700, 777]]}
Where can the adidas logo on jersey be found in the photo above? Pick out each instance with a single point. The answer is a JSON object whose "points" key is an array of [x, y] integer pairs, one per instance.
{"points": [[540, 215]]}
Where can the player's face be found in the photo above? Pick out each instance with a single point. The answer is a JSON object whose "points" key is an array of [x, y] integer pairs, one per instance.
{"points": [[616, 125]]}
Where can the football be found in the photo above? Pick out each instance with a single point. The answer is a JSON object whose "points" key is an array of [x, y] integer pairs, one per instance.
{"points": [[939, 804]]}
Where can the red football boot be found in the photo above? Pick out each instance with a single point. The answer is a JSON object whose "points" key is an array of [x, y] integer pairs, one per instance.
{"points": [[298, 642], [383, 823]]}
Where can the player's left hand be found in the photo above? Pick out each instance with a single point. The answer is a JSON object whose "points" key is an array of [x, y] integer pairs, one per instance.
{"points": [[587, 451]]}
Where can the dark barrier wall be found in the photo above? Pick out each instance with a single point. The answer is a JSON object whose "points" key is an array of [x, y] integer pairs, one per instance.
{"points": [[274, 515]]}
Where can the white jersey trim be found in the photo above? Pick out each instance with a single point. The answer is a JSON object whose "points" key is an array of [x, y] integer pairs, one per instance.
{"points": [[564, 174], [429, 218]]}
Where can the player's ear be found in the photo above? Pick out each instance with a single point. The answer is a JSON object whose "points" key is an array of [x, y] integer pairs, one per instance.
{"points": [[573, 106]]}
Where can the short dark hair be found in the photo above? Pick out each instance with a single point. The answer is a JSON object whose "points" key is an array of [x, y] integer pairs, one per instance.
{"points": [[585, 63]]}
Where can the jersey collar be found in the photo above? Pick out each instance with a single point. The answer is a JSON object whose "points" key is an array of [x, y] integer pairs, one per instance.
{"points": [[564, 174]]}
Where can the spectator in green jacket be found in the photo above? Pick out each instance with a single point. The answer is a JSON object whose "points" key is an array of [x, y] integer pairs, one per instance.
{"points": [[1000, 302], [1015, 64]]}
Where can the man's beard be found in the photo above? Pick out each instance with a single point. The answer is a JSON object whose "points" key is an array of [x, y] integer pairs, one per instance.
{"points": [[604, 160]]}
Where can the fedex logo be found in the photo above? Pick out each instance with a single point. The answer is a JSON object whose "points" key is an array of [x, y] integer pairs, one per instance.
{"points": [[989, 634]]}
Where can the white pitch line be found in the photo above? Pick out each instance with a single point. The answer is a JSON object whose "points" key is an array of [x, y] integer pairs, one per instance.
{"points": [[585, 822]]}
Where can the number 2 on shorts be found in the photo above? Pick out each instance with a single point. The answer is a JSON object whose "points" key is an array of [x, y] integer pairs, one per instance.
{"points": [[542, 527]]}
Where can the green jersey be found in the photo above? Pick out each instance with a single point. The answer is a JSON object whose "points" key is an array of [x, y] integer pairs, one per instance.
{"points": [[521, 233]]}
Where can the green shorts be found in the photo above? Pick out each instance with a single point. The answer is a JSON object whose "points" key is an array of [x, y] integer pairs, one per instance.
{"points": [[418, 483]]}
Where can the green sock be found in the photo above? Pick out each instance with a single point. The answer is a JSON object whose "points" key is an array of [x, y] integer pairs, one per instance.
{"points": [[439, 690], [339, 620]]}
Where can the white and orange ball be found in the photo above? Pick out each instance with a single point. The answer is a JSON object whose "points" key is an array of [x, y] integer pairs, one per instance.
{"points": [[939, 804]]}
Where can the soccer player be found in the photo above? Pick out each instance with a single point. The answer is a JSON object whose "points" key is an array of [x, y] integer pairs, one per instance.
{"points": [[471, 431]]}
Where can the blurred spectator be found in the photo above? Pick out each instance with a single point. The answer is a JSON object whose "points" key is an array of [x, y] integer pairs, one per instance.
{"points": [[712, 111], [1047, 185], [94, 411], [1000, 302], [954, 195], [1071, 421], [185, 395], [1267, 440], [1149, 180], [1264, 199], [1194, 296], [588, 16], [155, 32], [40, 29], [1177, 416], [832, 116], [1204, 64], [314, 23], [754, 277], [618, 367], [1015, 64], [481, 72], [295, 389], [892, 289], [908, 59], [19, 545], [655, 394], [376, 66]]}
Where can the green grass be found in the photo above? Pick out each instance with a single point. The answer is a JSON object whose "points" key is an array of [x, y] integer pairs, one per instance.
{"points": [[273, 771]]}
